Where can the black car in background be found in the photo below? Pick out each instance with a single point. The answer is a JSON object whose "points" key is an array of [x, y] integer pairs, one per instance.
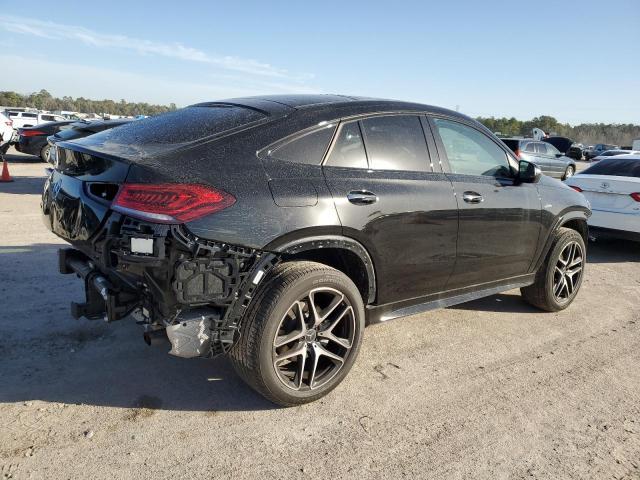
{"points": [[598, 150], [33, 140], [566, 146], [274, 228], [551, 161], [80, 129]]}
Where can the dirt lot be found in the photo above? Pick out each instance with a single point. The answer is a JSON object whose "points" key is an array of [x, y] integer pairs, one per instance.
{"points": [[488, 389]]}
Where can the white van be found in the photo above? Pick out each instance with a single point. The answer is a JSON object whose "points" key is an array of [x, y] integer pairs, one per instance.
{"points": [[31, 119], [636, 144]]}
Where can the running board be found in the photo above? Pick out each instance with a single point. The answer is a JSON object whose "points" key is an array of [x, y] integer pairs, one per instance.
{"points": [[384, 316]]}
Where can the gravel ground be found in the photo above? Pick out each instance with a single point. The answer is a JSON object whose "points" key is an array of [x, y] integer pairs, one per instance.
{"points": [[488, 389]]}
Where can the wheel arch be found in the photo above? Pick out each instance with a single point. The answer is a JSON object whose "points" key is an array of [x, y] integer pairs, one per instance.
{"points": [[337, 251], [573, 219]]}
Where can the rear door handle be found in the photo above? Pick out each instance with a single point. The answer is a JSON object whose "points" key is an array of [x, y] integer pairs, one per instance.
{"points": [[362, 197], [472, 197]]}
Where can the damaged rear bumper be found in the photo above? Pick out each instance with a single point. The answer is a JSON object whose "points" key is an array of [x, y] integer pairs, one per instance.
{"points": [[194, 290]]}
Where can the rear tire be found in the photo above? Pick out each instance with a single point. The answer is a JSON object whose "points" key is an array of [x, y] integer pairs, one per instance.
{"points": [[559, 278], [44, 153], [301, 334]]}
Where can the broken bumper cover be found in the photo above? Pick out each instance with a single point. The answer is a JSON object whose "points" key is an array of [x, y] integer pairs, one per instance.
{"points": [[103, 299], [196, 290]]}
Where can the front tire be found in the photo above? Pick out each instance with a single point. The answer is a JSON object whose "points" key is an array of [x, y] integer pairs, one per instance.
{"points": [[559, 279], [301, 334]]}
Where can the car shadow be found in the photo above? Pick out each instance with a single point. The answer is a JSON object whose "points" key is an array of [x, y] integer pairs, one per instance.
{"points": [[23, 185], [23, 158], [49, 356], [501, 302], [612, 250]]}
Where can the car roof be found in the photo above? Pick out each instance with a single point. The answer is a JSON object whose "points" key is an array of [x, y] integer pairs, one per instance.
{"points": [[285, 104]]}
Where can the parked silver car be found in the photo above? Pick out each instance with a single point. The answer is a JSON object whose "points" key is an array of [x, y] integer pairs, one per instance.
{"points": [[550, 160]]}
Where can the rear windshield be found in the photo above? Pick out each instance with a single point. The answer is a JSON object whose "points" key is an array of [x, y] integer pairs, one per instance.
{"points": [[182, 126], [512, 144], [621, 167]]}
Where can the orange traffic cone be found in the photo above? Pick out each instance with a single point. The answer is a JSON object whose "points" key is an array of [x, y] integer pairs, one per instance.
{"points": [[5, 177]]}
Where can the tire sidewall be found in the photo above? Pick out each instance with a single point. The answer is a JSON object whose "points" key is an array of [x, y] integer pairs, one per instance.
{"points": [[316, 279], [563, 240], [44, 153]]}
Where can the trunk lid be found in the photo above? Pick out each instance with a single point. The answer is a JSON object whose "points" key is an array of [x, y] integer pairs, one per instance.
{"points": [[608, 192], [78, 193]]}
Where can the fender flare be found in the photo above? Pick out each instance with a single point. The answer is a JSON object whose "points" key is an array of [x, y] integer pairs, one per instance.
{"points": [[334, 241], [563, 219]]}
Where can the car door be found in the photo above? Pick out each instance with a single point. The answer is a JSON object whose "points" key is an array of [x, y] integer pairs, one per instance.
{"points": [[543, 160], [555, 159], [499, 219], [389, 196]]}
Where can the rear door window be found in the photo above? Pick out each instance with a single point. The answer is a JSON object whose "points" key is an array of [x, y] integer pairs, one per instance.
{"points": [[396, 142], [471, 152], [540, 148], [308, 148], [530, 147], [348, 148]]}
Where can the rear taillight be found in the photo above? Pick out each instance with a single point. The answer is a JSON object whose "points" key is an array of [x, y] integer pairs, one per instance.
{"points": [[518, 153], [170, 202], [9, 123], [31, 133], [577, 189], [636, 196]]}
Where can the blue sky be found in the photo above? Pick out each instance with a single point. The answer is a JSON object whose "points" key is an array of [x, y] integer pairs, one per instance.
{"points": [[576, 60]]}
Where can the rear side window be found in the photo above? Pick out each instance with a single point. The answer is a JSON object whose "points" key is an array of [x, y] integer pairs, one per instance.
{"points": [[29, 115], [182, 126], [309, 148], [471, 152], [396, 143], [48, 118], [621, 167], [348, 149]]}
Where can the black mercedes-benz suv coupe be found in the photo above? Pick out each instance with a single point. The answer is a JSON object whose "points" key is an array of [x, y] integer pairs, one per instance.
{"points": [[275, 228]]}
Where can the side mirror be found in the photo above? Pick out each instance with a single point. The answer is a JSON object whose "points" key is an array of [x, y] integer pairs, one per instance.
{"points": [[558, 155], [528, 172]]}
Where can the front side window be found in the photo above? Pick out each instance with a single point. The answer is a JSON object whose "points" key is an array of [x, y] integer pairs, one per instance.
{"points": [[471, 152], [530, 147], [348, 149], [308, 149], [396, 142]]}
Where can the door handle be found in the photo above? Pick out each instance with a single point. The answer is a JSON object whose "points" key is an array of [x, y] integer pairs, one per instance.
{"points": [[472, 197], [362, 197]]}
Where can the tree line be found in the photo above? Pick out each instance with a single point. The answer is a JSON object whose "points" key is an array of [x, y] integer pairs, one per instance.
{"points": [[43, 100], [586, 133]]}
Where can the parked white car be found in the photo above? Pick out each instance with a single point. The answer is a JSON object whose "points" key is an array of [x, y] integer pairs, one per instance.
{"points": [[31, 119], [612, 186], [6, 131], [613, 153]]}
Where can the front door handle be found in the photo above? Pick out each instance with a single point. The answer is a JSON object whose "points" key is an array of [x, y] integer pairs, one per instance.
{"points": [[362, 197], [472, 197]]}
